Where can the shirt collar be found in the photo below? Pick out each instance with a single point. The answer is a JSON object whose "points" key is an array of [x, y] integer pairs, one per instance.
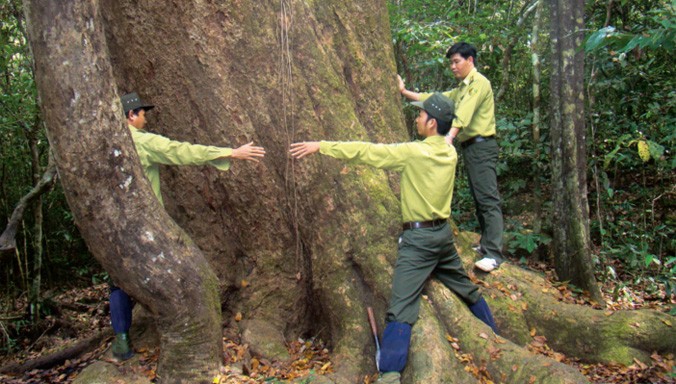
{"points": [[470, 76], [434, 139], [132, 128]]}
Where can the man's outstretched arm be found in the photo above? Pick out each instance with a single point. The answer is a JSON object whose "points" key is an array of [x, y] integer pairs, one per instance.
{"points": [[384, 156]]}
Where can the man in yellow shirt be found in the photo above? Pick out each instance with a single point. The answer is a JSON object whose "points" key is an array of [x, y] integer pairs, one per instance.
{"points": [[426, 245], [474, 128], [154, 150]]}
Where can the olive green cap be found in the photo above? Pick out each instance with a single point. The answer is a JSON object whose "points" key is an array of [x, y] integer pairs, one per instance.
{"points": [[438, 106], [132, 101]]}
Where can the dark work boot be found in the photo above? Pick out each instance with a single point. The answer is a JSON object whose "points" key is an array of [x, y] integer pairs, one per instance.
{"points": [[122, 347]]}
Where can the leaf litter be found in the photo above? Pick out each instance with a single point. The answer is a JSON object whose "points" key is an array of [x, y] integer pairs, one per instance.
{"points": [[84, 312]]}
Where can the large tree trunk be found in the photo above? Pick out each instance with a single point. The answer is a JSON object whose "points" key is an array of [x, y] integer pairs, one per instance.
{"points": [[120, 219], [572, 243], [300, 247], [313, 239]]}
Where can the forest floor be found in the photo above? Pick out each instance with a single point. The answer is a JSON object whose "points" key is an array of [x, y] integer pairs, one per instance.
{"points": [[82, 313]]}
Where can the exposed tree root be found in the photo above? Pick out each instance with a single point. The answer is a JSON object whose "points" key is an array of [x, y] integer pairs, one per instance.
{"points": [[54, 359]]}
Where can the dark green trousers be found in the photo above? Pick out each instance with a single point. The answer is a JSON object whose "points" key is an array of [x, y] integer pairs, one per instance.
{"points": [[480, 163], [423, 252]]}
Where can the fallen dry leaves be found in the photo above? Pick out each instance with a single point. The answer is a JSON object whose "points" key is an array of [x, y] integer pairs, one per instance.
{"points": [[308, 357], [84, 312]]}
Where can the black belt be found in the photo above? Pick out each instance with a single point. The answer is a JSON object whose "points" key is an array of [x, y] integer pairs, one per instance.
{"points": [[424, 224], [475, 139]]}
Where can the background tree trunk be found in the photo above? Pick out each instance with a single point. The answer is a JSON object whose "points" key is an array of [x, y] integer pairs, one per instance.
{"points": [[507, 56], [536, 52], [572, 245], [127, 230], [36, 275], [8, 236]]}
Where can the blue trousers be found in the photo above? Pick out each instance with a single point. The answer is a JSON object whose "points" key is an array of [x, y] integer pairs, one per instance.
{"points": [[120, 310]]}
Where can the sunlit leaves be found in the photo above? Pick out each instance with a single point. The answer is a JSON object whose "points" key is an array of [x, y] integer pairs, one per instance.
{"points": [[643, 151], [661, 37]]}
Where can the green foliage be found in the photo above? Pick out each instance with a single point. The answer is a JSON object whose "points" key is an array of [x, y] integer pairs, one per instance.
{"points": [[659, 33], [645, 151], [522, 240], [424, 30], [518, 152], [17, 103], [634, 119]]}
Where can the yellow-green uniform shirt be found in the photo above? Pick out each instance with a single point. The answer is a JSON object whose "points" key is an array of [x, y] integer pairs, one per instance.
{"points": [[154, 150], [474, 106], [427, 172]]}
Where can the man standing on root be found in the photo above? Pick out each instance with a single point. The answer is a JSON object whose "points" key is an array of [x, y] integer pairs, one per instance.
{"points": [[154, 150], [426, 245], [474, 128]]}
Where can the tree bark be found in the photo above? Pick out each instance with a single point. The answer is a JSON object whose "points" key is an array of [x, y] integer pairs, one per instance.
{"points": [[572, 244], [125, 227]]}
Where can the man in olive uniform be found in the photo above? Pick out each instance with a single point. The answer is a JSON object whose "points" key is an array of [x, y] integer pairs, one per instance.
{"points": [[474, 128], [426, 245], [154, 150]]}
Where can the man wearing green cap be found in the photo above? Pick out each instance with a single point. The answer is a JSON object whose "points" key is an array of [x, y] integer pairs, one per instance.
{"points": [[426, 245], [474, 129], [154, 150]]}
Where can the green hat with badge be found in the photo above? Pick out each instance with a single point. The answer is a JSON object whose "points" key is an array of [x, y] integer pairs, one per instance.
{"points": [[438, 106], [132, 101]]}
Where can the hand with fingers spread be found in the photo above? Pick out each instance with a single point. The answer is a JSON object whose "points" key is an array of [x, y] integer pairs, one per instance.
{"points": [[248, 152], [305, 148]]}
